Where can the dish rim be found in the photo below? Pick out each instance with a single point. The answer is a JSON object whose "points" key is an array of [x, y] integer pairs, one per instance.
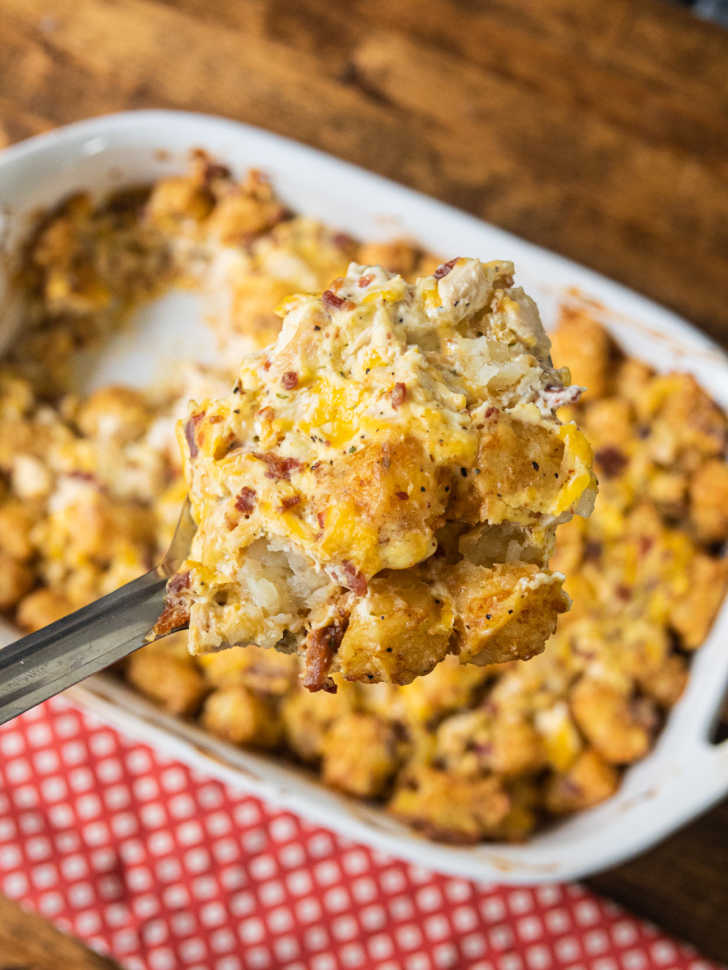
{"points": [[696, 776]]}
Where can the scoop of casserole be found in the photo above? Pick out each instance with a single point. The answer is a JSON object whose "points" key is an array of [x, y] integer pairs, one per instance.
{"points": [[382, 486]]}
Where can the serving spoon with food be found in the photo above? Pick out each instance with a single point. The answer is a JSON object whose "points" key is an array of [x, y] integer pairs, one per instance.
{"points": [[381, 488], [63, 653]]}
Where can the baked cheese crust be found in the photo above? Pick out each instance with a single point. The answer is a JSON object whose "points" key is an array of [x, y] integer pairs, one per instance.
{"points": [[382, 485]]}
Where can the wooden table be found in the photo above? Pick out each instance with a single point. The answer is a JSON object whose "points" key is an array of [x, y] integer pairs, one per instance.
{"points": [[596, 129]]}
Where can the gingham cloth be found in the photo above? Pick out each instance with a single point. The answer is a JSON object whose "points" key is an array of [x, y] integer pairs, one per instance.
{"points": [[166, 869]]}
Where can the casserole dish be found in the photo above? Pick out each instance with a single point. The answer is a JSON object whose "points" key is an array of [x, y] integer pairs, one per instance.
{"points": [[684, 773]]}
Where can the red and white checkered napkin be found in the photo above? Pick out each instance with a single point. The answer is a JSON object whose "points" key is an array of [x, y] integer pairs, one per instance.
{"points": [[165, 869]]}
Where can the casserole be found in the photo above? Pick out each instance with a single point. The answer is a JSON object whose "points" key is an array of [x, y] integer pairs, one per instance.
{"points": [[684, 773]]}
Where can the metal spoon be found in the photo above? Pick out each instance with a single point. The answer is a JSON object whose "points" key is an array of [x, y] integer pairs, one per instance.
{"points": [[44, 663]]}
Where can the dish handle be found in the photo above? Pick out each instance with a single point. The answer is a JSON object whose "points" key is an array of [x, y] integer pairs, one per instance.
{"points": [[694, 721]]}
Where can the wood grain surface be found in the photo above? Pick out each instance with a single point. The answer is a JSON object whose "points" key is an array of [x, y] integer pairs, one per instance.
{"points": [[599, 130], [28, 942]]}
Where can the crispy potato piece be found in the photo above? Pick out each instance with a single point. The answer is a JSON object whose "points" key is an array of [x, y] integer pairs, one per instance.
{"points": [[396, 632], [524, 799], [450, 808], [117, 413], [616, 728], [388, 496], [261, 670], [41, 607], [632, 377], [177, 200], [668, 490], [503, 612], [667, 683], [686, 426], [16, 523], [610, 421], [709, 500], [451, 686], [590, 780], [477, 742], [307, 718], [585, 347], [253, 301], [238, 217], [398, 256], [239, 715], [359, 755], [692, 615], [520, 472], [15, 580], [171, 680]]}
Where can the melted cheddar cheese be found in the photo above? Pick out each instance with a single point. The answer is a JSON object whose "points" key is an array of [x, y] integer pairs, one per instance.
{"points": [[352, 491]]}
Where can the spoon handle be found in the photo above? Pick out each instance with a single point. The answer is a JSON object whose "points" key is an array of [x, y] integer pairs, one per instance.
{"points": [[40, 665]]}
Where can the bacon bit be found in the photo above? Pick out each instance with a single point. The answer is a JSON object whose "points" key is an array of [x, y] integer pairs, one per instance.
{"points": [[278, 468], [266, 414], [210, 170], [258, 185], [556, 396], [246, 499], [643, 711], [343, 240], [356, 581], [288, 502], [216, 171], [399, 393], [178, 582], [176, 613], [570, 787], [273, 215], [334, 302], [321, 519], [190, 428], [624, 592], [445, 268], [266, 365], [365, 280], [215, 419], [646, 543], [320, 647], [289, 380], [330, 299], [592, 551], [491, 411], [402, 495], [82, 476], [233, 445], [174, 616], [611, 460]]}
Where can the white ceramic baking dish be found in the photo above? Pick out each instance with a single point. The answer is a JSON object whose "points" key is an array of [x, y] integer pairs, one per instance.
{"points": [[684, 774]]}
